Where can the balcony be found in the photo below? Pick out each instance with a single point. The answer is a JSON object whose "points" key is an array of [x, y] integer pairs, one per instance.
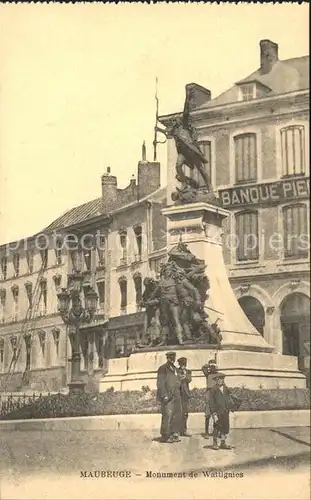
{"points": [[136, 259], [123, 262]]}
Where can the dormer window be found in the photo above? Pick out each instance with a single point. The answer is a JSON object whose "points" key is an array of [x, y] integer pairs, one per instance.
{"points": [[247, 92]]}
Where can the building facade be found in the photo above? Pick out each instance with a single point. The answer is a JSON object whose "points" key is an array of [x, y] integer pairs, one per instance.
{"points": [[255, 138], [114, 241]]}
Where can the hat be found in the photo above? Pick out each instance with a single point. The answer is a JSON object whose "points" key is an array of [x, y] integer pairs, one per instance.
{"points": [[219, 375], [170, 354], [182, 361]]}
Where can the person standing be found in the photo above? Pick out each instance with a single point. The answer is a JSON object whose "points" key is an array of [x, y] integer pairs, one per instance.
{"points": [[185, 380], [209, 370], [220, 401], [169, 395]]}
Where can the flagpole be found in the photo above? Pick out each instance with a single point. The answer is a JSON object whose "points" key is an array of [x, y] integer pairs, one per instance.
{"points": [[155, 141]]}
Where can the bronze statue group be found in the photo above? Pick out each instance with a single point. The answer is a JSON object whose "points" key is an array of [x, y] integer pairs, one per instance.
{"points": [[175, 303], [173, 394]]}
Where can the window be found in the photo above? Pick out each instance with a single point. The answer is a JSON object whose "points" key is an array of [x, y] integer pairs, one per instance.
{"points": [[206, 148], [44, 297], [4, 267], [101, 288], [27, 339], [138, 288], [28, 286], [56, 335], [2, 304], [58, 251], [1, 355], [44, 257], [87, 254], [247, 247], [123, 243], [123, 291], [29, 258], [87, 247], [245, 147], [296, 233], [139, 240], [42, 340], [293, 150], [100, 349], [247, 91], [101, 247], [13, 341], [16, 264], [85, 351], [15, 293]]}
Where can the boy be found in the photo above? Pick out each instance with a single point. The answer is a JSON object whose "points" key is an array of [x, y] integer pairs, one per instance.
{"points": [[209, 371], [220, 402]]}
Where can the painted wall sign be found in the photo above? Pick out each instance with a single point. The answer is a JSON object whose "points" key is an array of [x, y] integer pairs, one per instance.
{"points": [[272, 192]]}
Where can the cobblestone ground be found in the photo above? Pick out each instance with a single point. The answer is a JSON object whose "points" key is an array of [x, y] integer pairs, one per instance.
{"points": [[48, 464]]}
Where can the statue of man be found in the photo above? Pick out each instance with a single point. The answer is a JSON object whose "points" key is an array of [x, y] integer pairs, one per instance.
{"points": [[167, 295], [188, 149]]}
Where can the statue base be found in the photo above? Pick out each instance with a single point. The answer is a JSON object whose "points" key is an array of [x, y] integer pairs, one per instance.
{"points": [[254, 370]]}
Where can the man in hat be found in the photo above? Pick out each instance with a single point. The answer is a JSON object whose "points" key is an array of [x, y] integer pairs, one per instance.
{"points": [[220, 404], [209, 370], [185, 379], [169, 395]]}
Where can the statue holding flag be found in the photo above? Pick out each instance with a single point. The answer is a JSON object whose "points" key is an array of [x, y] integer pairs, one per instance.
{"points": [[188, 154]]}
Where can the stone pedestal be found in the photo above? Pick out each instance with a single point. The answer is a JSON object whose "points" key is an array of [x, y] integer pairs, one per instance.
{"points": [[199, 225], [254, 370], [244, 356]]}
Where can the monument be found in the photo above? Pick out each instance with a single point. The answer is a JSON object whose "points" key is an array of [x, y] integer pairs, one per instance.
{"points": [[192, 307]]}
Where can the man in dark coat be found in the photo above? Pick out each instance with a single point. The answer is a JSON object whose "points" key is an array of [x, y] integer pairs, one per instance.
{"points": [[221, 402], [169, 395], [209, 370], [185, 379]]}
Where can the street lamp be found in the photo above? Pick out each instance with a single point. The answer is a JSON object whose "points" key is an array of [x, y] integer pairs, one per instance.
{"points": [[74, 316]]}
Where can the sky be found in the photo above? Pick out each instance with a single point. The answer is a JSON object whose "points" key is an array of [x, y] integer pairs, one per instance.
{"points": [[77, 87]]}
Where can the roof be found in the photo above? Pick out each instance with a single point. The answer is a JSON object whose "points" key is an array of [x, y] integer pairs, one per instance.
{"points": [[93, 209], [77, 214], [290, 75]]}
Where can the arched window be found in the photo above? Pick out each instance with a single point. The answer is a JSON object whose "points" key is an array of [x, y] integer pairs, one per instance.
{"points": [[245, 147], [296, 230], [295, 322], [138, 287], [293, 150], [254, 310], [247, 240], [123, 291]]}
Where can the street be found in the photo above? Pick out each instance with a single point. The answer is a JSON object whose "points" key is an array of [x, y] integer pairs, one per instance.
{"points": [[263, 464]]}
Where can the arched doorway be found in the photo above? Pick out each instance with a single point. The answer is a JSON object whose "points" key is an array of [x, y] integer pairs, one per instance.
{"points": [[254, 310], [295, 323]]}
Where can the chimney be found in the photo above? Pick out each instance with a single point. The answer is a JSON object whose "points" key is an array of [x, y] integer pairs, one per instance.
{"points": [[148, 177], [201, 95], [143, 152], [269, 55], [109, 191]]}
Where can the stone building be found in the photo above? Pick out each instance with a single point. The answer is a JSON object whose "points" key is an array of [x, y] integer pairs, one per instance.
{"points": [[255, 138], [115, 241], [32, 335]]}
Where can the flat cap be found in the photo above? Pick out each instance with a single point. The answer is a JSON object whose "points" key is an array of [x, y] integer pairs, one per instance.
{"points": [[182, 360], [170, 354]]}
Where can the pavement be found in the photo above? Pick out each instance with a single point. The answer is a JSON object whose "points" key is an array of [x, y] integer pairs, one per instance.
{"points": [[263, 464]]}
